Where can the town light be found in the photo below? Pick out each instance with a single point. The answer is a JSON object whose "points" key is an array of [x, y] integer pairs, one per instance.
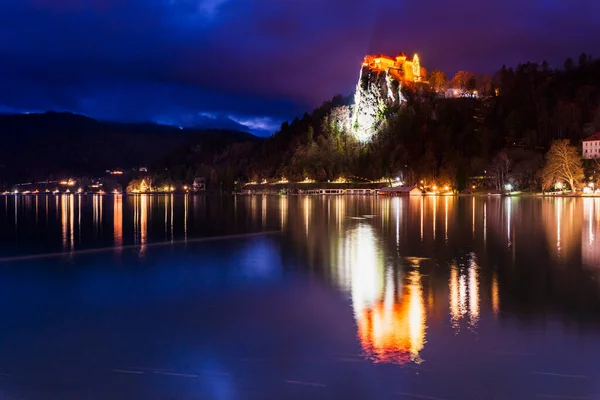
{"points": [[397, 179], [559, 185], [185, 187], [591, 184], [446, 187], [508, 187], [434, 187]]}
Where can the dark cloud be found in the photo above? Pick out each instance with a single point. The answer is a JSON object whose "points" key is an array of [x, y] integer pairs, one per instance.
{"points": [[257, 62]]}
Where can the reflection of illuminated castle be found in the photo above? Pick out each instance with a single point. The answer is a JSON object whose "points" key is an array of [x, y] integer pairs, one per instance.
{"points": [[390, 312], [399, 67], [393, 329]]}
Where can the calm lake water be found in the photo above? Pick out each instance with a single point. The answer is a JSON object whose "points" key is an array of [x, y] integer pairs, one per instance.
{"points": [[112, 297]]}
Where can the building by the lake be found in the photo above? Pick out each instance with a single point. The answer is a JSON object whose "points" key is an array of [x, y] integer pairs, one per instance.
{"points": [[591, 146]]}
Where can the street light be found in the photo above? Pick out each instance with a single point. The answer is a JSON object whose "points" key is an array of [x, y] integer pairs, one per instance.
{"points": [[508, 187], [559, 185]]}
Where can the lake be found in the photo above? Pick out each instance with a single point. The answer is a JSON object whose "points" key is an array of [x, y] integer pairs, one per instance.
{"points": [[291, 297]]}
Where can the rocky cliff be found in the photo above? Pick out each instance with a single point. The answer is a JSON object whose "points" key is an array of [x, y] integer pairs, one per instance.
{"points": [[376, 91]]}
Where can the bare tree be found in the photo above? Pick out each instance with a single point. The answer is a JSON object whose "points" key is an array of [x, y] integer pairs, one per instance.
{"points": [[563, 163]]}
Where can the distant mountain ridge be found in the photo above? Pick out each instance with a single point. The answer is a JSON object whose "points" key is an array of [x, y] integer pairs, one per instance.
{"points": [[54, 143]]}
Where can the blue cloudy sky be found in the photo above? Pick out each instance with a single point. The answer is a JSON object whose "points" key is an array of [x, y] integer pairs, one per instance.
{"points": [[255, 63]]}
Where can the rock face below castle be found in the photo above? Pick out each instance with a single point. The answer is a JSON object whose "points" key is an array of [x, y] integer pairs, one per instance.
{"points": [[378, 88]]}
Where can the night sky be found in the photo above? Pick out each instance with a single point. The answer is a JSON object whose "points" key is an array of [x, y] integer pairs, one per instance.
{"points": [[257, 62]]}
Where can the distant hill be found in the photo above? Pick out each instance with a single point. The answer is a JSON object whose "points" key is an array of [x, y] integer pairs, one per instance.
{"points": [[35, 146]]}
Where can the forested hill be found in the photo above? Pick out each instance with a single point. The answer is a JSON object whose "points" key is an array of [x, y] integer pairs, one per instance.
{"points": [[515, 116], [35, 146]]}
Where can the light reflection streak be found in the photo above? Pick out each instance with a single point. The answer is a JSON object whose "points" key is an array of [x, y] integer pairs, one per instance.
{"points": [[283, 211], [508, 219], [453, 290], [446, 220], [422, 212], [171, 200], [264, 210], [559, 206], [434, 214], [118, 220], [254, 208], [397, 211], [166, 201], [473, 218], [473, 293], [72, 220], [64, 220], [590, 249], [95, 211], [185, 215], [306, 213], [485, 223], [495, 295], [464, 296], [143, 213], [79, 216]]}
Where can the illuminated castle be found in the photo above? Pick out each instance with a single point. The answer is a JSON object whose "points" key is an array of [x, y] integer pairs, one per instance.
{"points": [[399, 67]]}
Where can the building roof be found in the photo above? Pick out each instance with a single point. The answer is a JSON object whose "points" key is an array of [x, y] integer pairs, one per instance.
{"points": [[595, 136], [401, 54], [384, 56]]}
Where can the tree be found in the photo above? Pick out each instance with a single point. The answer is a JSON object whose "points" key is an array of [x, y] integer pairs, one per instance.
{"points": [[437, 79], [569, 64], [563, 163], [499, 168]]}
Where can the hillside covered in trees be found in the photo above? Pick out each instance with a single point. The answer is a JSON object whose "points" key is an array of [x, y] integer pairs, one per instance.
{"points": [[495, 131], [501, 132], [40, 146]]}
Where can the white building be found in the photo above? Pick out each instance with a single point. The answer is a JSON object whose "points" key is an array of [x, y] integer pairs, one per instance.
{"points": [[591, 146]]}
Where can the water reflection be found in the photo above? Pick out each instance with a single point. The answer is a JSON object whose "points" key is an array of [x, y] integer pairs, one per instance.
{"points": [[388, 307], [590, 246], [408, 266], [464, 297]]}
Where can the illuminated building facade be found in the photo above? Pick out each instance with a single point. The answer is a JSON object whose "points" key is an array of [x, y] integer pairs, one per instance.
{"points": [[399, 67], [591, 146]]}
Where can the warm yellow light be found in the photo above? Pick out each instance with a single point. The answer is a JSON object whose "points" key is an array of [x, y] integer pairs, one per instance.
{"points": [[434, 187], [473, 186], [171, 188], [446, 187], [185, 188]]}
